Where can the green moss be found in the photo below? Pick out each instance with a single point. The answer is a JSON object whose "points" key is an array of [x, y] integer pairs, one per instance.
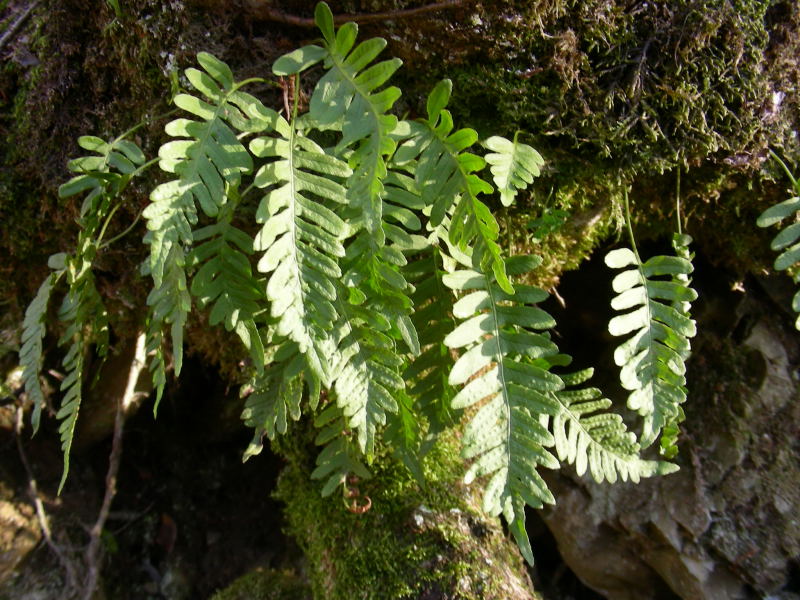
{"points": [[265, 584], [412, 542]]}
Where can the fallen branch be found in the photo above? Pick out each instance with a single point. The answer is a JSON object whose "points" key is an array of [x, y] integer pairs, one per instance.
{"points": [[267, 13], [11, 31], [123, 403]]}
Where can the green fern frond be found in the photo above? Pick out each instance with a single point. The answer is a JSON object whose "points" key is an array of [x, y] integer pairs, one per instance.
{"points": [[505, 436], [340, 456], [652, 360], [427, 375], [367, 371], [788, 240], [301, 238], [87, 321], [589, 437], [30, 354], [349, 98], [225, 280], [513, 166], [446, 175], [276, 396]]}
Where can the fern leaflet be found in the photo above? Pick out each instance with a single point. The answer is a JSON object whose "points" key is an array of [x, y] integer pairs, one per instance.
{"points": [[340, 456], [513, 166]]}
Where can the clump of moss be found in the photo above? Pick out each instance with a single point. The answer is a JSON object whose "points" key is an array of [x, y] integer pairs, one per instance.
{"points": [[266, 584], [415, 541]]}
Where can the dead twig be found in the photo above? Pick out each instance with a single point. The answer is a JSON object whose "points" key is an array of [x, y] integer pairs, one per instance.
{"points": [[41, 514], [123, 403], [267, 13]]}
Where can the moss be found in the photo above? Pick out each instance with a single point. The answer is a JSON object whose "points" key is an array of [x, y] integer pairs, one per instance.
{"points": [[265, 584], [414, 542]]}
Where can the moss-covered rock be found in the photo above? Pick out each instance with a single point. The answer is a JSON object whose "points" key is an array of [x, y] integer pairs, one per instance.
{"points": [[266, 584], [414, 542]]}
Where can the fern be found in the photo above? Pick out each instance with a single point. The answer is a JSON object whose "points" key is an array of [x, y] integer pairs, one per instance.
{"points": [[30, 354], [513, 166], [788, 240], [340, 456], [446, 176], [505, 435], [206, 157], [588, 437], [301, 238], [652, 360]]}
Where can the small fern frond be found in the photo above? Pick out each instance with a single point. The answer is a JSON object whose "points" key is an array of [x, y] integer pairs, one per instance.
{"points": [[589, 437], [30, 354], [513, 166], [340, 456], [301, 238], [446, 175], [87, 321], [652, 361], [225, 281], [788, 240], [504, 435]]}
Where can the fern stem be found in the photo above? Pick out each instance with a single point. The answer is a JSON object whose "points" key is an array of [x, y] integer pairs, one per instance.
{"points": [[630, 228], [785, 168], [119, 236], [106, 223]]}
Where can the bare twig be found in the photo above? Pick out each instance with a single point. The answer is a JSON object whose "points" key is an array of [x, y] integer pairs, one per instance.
{"points": [[41, 515], [267, 13], [123, 402], [12, 30]]}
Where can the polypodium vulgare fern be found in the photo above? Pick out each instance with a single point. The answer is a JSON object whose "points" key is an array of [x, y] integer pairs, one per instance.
{"points": [[652, 360], [788, 240], [368, 283]]}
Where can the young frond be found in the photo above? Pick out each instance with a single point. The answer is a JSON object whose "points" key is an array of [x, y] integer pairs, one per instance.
{"points": [[652, 360], [505, 437], [588, 436], [787, 242], [301, 238], [446, 175], [513, 166]]}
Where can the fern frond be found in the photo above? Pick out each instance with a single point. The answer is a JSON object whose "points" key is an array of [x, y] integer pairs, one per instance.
{"points": [[446, 175], [349, 98], [207, 157], [301, 238], [505, 436], [427, 375], [513, 166], [87, 321], [30, 354], [652, 361], [367, 372], [225, 280], [788, 240], [589, 437], [276, 396], [340, 456]]}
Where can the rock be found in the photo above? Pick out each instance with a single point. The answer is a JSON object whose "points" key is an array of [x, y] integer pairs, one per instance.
{"points": [[19, 535]]}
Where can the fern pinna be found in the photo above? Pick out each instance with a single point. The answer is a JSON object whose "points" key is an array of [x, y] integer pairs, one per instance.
{"points": [[357, 260], [652, 361], [788, 240]]}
